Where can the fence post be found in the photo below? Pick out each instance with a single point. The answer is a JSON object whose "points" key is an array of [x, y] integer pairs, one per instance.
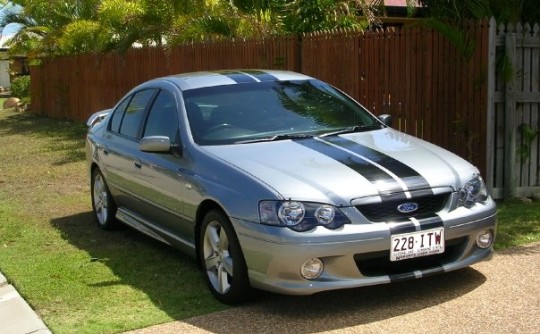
{"points": [[299, 53], [509, 119], [491, 115]]}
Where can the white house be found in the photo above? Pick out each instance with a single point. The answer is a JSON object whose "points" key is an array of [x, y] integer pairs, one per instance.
{"points": [[5, 80]]}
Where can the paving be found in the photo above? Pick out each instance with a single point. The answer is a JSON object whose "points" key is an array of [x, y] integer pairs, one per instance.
{"points": [[16, 316], [500, 296]]}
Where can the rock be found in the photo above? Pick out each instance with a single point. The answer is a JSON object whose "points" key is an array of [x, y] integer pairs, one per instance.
{"points": [[11, 102], [525, 200]]}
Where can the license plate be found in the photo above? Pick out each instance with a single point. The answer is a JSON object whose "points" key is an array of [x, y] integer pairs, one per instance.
{"points": [[417, 244]]}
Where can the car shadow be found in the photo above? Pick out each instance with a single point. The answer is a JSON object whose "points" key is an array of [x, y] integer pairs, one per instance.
{"points": [[343, 308], [308, 314], [142, 263]]}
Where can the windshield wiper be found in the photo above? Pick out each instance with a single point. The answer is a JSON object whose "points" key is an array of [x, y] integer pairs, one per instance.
{"points": [[276, 137], [352, 129]]}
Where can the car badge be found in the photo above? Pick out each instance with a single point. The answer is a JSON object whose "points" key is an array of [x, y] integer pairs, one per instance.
{"points": [[408, 207]]}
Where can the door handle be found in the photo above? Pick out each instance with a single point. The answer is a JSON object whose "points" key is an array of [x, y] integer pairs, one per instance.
{"points": [[137, 164]]}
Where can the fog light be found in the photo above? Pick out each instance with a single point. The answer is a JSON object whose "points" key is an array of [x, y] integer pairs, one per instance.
{"points": [[312, 269], [484, 239]]}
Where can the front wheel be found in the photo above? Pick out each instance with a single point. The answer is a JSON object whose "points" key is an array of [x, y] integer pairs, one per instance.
{"points": [[222, 260], [102, 202]]}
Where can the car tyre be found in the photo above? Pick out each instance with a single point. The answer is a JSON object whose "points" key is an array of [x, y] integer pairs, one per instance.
{"points": [[103, 204], [222, 260]]}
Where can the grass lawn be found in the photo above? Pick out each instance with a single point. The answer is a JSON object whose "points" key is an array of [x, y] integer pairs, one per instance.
{"points": [[518, 224], [81, 279]]}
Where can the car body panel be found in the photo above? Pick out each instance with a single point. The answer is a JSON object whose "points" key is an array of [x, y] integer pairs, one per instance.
{"points": [[323, 177]]}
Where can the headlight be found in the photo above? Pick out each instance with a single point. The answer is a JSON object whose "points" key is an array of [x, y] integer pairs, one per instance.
{"points": [[301, 216], [291, 213], [473, 192]]}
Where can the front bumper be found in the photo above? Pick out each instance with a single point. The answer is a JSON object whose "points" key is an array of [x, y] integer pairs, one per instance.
{"points": [[356, 255]]}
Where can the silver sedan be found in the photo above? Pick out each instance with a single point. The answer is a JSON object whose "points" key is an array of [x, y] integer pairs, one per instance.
{"points": [[275, 180]]}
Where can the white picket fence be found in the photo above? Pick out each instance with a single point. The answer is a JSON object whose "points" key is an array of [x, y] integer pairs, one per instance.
{"points": [[513, 139]]}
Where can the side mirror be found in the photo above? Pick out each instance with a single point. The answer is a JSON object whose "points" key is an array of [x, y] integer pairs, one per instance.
{"points": [[386, 119], [155, 144]]}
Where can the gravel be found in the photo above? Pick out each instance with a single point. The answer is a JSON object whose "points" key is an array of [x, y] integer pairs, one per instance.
{"points": [[499, 296]]}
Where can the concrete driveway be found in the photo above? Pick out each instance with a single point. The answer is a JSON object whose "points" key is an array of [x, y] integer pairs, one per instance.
{"points": [[500, 296]]}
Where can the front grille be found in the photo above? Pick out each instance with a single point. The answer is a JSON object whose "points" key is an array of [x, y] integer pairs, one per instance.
{"points": [[387, 211], [379, 264]]}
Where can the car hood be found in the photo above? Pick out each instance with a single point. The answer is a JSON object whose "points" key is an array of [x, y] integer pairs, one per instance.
{"points": [[349, 168]]}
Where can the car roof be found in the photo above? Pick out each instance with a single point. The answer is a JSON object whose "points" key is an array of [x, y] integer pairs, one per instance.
{"points": [[204, 79]]}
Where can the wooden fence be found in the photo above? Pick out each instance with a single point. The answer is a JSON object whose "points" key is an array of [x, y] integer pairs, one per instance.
{"points": [[514, 101], [75, 87], [412, 73]]}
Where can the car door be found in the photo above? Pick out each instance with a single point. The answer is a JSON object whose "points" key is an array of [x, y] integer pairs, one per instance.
{"points": [[120, 149], [161, 179]]}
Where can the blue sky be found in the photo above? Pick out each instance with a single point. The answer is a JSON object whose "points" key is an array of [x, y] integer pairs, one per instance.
{"points": [[11, 28]]}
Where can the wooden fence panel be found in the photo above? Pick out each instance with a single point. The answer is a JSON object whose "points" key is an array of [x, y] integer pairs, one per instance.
{"points": [[412, 73], [74, 87], [513, 107]]}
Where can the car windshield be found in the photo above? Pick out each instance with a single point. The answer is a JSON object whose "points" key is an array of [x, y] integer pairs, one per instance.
{"points": [[268, 111]]}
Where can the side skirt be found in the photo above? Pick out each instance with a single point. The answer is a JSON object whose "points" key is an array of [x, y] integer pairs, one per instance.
{"points": [[160, 234]]}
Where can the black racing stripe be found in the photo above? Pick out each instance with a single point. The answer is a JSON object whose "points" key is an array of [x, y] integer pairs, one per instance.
{"points": [[429, 223], [402, 277], [403, 227], [409, 176], [239, 77], [410, 275], [261, 75], [386, 185], [407, 226], [421, 192], [432, 271], [391, 197]]}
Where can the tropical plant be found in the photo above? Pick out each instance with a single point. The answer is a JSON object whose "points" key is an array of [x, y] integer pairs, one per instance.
{"points": [[20, 87], [449, 16], [458, 11], [42, 23], [528, 135], [59, 27], [316, 15]]}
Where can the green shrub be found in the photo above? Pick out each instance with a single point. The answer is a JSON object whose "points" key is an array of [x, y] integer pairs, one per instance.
{"points": [[20, 87]]}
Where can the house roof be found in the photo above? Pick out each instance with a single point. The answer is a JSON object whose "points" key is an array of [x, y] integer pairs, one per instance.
{"points": [[3, 41], [399, 3]]}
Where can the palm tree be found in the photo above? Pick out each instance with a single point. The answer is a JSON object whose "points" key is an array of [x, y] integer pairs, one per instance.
{"points": [[32, 38], [259, 18], [458, 11], [55, 27], [315, 15], [42, 23]]}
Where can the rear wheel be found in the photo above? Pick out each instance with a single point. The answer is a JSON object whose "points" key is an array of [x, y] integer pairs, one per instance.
{"points": [[222, 260], [102, 202]]}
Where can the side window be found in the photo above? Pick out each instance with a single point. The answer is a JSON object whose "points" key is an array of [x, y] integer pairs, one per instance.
{"points": [[162, 119], [118, 114], [134, 114]]}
